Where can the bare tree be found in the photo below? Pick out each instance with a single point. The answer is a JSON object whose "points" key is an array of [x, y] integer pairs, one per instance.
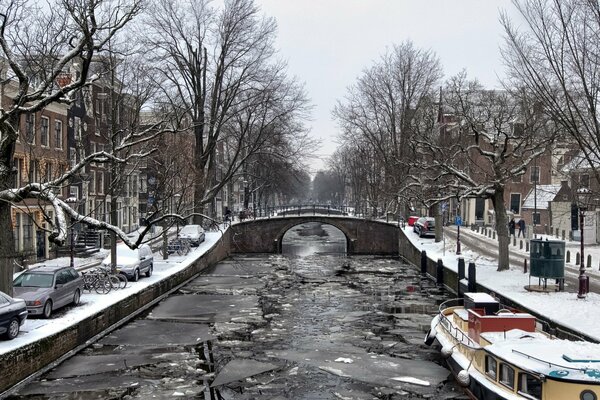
{"points": [[490, 140], [38, 45], [218, 64], [386, 108], [553, 54]]}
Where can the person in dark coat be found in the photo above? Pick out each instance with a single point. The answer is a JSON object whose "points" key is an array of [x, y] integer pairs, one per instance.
{"points": [[511, 227], [522, 227]]}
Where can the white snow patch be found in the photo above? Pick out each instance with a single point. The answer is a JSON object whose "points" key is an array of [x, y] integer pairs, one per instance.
{"points": [[334, 371], [344, 360], [410, 379]]}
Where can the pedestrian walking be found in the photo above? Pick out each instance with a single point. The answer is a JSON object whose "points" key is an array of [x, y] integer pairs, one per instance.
{"points": [[511, 227], [522, 227]]}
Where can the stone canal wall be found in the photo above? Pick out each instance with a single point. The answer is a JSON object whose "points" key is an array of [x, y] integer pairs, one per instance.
{"points": [[449, 279], [22, 362]]}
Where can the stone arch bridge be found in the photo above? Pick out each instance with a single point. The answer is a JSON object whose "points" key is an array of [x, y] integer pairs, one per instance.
{"points": [[363, 236]]}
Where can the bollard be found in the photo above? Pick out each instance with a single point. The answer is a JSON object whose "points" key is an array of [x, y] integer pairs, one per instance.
{"points": [[472, 287], [494, 235], [520, 245], [514, 241], [461, 275], [589, 261], [439, 273], [423, 262], [527, 246], [525, 266], [563, 234], [568, 256], [577, 259]]}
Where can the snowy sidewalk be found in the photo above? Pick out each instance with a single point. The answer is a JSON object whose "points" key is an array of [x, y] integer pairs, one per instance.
{"points": [[560, 307]]}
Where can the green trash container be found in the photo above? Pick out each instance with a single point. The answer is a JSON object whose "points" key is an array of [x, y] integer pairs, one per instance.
{"points": [[547, 259]]}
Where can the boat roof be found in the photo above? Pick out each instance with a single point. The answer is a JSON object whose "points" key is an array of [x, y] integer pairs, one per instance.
{"points": [[554, 358]]}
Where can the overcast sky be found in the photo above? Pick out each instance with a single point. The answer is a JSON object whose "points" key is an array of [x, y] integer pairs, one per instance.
{"points": [[327, 43]]}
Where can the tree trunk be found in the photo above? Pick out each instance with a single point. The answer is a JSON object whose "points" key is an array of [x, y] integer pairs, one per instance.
{"points": [[501, 229], [113, 237], [7, 249], [439, 232]]}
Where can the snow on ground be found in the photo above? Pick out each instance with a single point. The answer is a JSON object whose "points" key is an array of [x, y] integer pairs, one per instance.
{"points": [[35, 329], [562, 307]]}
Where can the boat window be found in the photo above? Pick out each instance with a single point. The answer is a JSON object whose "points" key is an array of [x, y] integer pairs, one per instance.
{"points": [[588, 395], [490, 367], [530, 386], [507, 375]]}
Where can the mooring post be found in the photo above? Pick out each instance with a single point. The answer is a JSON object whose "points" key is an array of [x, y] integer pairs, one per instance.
{"points": [[461, 275], [472, 287], [423, 262], [439, 273]]}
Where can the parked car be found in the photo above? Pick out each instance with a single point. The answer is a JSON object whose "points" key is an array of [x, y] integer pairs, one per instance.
{"points": [[425, 226], [412, 219], [193, 233], [48, 288], [13, 313], [133, 262]]}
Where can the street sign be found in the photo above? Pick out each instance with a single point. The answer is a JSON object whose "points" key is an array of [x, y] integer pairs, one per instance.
{"points": [[458, 220]]}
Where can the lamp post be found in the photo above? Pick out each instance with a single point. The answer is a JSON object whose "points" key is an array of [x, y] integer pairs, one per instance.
{"points": [[458, 224], [583, 196], [177, 196]]}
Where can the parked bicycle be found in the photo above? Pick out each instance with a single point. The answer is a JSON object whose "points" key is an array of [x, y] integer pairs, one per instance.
{"points": [[180, 246], [102, 280]]}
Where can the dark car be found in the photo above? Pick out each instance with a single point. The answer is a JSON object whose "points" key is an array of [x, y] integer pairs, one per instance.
{"points": [[425, 226], [13, 313], [47, 288]]}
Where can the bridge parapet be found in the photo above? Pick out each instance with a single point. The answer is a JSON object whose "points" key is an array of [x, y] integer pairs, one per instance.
{"points": [[363, 236]]}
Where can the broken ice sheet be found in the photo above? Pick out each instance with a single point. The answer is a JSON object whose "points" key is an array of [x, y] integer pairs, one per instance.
{"points": [[239, 369]]}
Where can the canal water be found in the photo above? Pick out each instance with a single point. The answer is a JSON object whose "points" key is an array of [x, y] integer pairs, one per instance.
{"points": [[311, 323]]}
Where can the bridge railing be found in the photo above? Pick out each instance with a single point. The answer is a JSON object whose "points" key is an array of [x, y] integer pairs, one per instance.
{"points": [[311, 209]]}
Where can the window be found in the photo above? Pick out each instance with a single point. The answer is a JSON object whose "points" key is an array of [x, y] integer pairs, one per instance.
{"points": [[536, 218], [73, 156], [92, 186], [58, 132], [19, 171], [507, 375], [584, 181], [530, 386], [74, 192], [535, 175], [100, 183], [515, 203], [34, 170], [44, 131], [48, 172], [77, 128], [491, 367], [30, 128], [517, 178]]}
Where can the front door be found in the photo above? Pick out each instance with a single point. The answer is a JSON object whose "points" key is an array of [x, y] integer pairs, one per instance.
{"points": [[41, 244]]}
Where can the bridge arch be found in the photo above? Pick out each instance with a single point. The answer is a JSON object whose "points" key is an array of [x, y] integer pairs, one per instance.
{"points": [[363, 236], [292, 225]]}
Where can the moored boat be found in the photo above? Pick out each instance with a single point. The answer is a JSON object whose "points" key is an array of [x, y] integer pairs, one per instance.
{"points": [[498, 353]]}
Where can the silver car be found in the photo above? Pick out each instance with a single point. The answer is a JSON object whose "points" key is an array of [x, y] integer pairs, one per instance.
{"points": [[48, 288], [193, 233], [133, 262]]}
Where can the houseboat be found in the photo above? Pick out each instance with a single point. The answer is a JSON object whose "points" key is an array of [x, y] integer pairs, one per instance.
{"points": [[497, 353]]}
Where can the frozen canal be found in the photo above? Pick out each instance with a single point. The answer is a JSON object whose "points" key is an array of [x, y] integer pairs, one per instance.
{"points": [[308, 324]]}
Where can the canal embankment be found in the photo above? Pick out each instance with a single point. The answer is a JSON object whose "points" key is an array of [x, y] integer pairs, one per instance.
{"points": [[33, 352]]}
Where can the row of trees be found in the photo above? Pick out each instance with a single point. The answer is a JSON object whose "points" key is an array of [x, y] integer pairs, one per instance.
{"points": [[410, 138], [216, 101]]}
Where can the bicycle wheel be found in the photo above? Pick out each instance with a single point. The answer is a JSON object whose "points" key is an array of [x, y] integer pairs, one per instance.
{"points": [[88, 282], [102, 286], [122, 280], [115, 282]]}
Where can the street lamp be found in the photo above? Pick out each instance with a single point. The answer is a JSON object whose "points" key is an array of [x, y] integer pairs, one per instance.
{"points": [[583, 199], [458, 222]]}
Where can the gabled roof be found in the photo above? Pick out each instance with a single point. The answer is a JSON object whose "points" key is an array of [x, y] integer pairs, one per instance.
{"points": [[579, 163], [544, 194]]}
